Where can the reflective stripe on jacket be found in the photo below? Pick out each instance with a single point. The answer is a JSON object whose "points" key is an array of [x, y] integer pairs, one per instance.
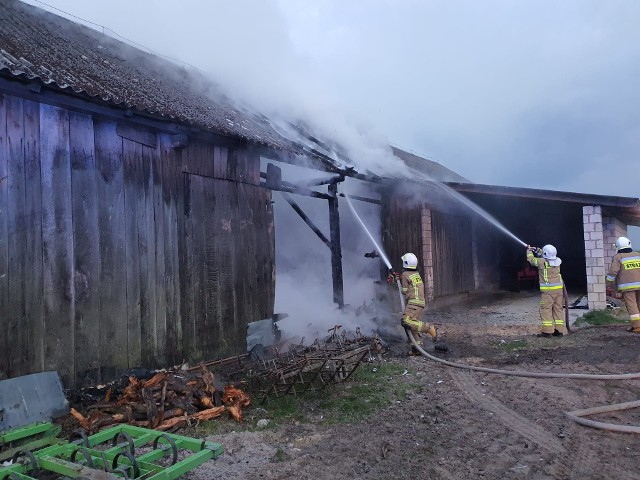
{"points": [[625, 271], [412, 287], [550, 278]]}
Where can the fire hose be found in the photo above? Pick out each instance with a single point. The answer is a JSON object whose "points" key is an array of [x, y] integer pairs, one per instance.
{"points": [[576, 415]]}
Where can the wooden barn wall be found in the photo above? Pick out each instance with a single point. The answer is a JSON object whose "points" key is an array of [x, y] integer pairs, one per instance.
{"points": [[103, 266], [453, 256], [401, 231]]}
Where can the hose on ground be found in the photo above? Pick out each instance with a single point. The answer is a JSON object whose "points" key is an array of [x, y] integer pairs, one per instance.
{"points": [[521, 373], [577, 415]]}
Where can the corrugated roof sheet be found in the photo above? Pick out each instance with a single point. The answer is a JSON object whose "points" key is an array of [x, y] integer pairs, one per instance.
{"points": [[36, 44]]}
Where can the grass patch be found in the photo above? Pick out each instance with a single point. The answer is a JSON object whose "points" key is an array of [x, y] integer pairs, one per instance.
{"points": [[513, 345], [369, 389], [598, 317], [279, 456]]}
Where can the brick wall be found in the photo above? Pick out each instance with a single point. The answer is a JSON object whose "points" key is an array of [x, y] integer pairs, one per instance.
{"points": [[594, 252]]}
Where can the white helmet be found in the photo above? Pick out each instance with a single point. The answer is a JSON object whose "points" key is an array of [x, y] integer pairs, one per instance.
{"points": [[549, 252], [409, 260], [622, 242]]}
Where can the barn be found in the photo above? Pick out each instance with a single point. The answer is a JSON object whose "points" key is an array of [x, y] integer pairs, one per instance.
{"points": [[137, 216]]}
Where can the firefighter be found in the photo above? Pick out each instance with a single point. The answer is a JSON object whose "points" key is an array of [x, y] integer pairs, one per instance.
{"points": [[625, 272], [551, 288], [413, 291]]}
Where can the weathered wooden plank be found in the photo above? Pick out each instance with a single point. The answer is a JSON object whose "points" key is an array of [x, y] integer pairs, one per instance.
{"points": [[147, 248], [15, 315], [242, 165], [228, 266], [133, 205], [86, 247], [232, 165], [169, 177], [34, 307], [159, 282], [111, 224], [137, 134], [220, 162], [57, 234], [253, 167], [4, 230], [192, 279], [184, 237]]}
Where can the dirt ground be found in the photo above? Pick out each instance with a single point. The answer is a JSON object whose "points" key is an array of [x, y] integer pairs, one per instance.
{"points": [[463, 425]]}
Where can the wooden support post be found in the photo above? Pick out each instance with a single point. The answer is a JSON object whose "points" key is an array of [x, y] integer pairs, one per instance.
{"points": [[336, 249]]}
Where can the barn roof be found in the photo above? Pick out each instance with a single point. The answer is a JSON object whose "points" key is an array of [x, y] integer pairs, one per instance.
{"points": [[434, 170], [627, 208], [39, 45]]}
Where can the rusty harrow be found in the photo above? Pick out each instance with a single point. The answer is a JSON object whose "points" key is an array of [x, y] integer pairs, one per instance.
{"points": [[310, 368]]}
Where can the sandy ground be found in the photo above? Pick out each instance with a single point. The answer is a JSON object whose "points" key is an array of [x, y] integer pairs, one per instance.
{"points": [[465, 425]]}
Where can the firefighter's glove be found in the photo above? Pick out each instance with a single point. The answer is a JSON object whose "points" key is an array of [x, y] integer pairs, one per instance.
{"points": [[394, 277]]}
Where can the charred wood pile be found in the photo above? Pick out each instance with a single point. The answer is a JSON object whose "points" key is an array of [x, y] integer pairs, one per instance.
{"points": [[171, 399], [167, 401]]}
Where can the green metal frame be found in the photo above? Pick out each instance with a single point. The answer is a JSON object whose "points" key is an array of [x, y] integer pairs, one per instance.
{"points": [[88, 457]]}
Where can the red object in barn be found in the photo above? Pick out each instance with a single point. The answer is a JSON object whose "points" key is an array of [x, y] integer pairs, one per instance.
{"points": [[527, 273]]}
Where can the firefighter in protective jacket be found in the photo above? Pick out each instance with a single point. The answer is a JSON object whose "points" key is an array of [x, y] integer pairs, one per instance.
{"points": [[625, 271], [551, 288], [413, 291]]}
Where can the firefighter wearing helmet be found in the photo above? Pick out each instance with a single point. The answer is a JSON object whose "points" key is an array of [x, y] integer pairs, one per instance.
{"points": [[625, 272], [413, 291], [551, 288]]}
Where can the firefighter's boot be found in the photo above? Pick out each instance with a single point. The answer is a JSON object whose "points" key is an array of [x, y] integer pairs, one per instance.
{"points": [[413, 352], [433, 332]]}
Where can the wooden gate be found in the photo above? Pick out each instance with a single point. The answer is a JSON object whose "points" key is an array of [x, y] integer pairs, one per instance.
{"points": [[230, 264], [452, 254]]}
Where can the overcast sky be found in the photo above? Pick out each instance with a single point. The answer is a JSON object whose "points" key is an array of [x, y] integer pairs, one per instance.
{"points": [[515, 92]]}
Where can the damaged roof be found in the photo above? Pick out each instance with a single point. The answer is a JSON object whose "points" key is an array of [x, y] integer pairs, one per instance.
{"points": [[39, 45], [433, 169]]}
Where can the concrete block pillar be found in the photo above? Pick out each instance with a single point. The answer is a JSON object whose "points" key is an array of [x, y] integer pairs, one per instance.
{"points": [[594, 251], [427, 252], [612, 229]]}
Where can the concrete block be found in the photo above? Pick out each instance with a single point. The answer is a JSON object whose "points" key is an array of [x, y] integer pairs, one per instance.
{"points": [[591, 262], [599, 288], [600, 245], [587, 210], [591, 280], [597, 209], [589, 245], [595, 218], [597, 235], [597, 252], [589, 227], [600, 262], [587, 253], [589, 270], [599, 270], [598, 227]]}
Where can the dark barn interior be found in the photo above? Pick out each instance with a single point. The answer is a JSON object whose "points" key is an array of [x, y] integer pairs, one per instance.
{"points": [[536, 222]]}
